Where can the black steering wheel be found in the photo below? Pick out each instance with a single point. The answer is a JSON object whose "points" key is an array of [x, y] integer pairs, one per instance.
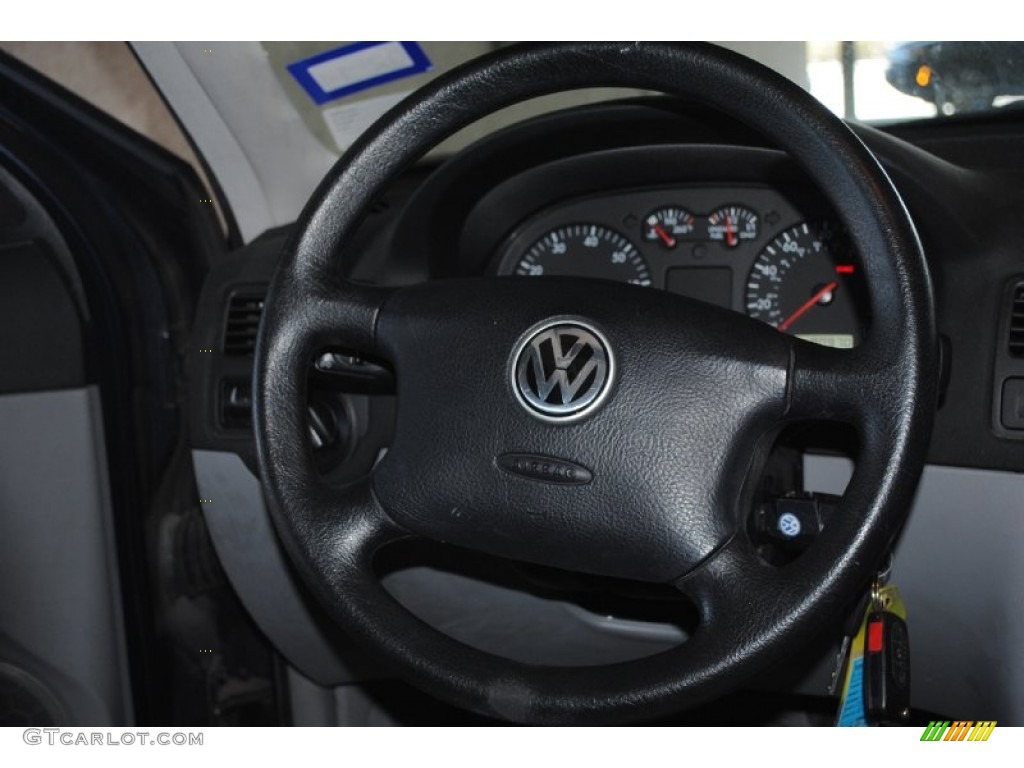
{"points": [[590, 426]]}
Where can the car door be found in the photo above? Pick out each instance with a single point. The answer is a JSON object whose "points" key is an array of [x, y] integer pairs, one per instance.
{"points": [[104, 240]]}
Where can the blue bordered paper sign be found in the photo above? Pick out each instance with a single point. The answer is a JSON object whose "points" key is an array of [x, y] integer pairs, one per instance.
{"points": [[353, 68]]}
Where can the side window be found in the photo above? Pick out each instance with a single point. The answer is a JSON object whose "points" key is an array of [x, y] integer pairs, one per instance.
{"points": [[107, 75]]}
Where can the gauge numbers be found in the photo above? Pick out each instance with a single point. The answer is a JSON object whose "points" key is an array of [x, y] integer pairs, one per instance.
{"points": [[667, 225], [732, 225], [798, 286], [585, 250]]}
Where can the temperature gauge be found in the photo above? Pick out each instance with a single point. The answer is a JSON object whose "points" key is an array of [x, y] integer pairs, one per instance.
{"points": [[732, 225], [668, 225]]}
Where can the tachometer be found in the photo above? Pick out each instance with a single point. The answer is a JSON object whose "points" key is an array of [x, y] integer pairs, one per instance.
{"points": [[801, 283], [585, 250]]}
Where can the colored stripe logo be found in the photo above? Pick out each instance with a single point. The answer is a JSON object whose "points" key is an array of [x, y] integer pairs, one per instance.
{"points": [[959, 730]]}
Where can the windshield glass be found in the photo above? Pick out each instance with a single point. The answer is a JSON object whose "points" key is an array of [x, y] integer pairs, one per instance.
{"points": [[883, 81], [272, 117]]}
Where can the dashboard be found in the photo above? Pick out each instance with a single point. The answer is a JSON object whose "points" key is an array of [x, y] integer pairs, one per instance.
{"points": [[745, 248], [593, 193]]}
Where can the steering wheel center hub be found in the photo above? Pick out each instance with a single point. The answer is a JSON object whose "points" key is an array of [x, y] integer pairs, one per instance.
{"points": [[563, 369]]}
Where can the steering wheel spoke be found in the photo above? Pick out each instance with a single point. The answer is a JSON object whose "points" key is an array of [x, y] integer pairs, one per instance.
{"points": [[343, 528], [330, 312], [729, 589], [849, 386]]}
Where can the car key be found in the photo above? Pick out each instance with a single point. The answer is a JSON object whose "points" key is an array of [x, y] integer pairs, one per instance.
{"points": [[886, 667], [876, 683]]}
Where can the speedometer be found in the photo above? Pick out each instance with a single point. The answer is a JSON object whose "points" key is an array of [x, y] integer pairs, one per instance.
{"points": [[801, 283], [585, 250]]}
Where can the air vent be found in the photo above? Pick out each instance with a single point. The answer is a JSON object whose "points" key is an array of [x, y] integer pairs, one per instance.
{"points": [[1016, 340], [243, 321]]}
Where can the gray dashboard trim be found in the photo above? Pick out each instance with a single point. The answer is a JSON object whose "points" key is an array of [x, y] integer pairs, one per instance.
{"points": [[255, 563], [957, 565], [959, 568]]}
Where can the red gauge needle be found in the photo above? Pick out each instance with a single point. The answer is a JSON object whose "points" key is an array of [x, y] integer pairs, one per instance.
{"points": [[666, 238], [730, 237], [784, 325]]}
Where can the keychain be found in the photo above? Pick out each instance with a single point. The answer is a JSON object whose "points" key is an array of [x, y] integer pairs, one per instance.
{"points": [[876, 686]]}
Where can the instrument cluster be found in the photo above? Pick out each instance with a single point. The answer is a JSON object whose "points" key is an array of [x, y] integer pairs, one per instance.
{"points": [[749, 249]]}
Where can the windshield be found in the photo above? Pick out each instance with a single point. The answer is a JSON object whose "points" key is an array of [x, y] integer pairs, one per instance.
{"points": [[883, 81], [272, 117]]}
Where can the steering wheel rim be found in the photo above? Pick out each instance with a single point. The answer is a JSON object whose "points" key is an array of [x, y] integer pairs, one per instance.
{"points": [[751, 613]]}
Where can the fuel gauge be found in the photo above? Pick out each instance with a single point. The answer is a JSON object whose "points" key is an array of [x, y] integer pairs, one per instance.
{"points": [[732, 225], [668, 225]]}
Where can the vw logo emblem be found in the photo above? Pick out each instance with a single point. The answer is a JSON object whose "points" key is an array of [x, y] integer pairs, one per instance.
{"points": [[562, 369]]}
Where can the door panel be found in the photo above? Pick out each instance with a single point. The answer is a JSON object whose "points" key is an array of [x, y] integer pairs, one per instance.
{"points": [[60, 612]]}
